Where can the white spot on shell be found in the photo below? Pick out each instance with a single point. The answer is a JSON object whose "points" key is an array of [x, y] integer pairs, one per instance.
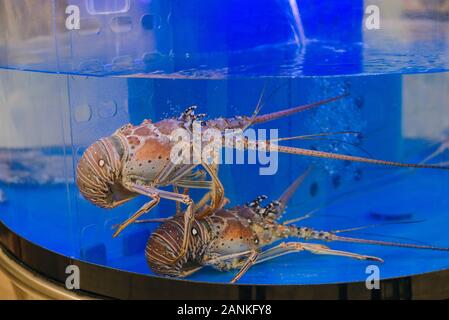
{"points": [[101, 163]]}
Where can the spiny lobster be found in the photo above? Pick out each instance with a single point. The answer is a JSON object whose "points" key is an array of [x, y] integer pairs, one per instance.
{"points": [[234, 238], [135, 160]]}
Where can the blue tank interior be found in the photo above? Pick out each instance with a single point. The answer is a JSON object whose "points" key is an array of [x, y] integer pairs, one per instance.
{"points": [[222, 65]]}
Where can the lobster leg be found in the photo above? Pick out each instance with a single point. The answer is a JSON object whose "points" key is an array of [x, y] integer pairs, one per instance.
{"points": [[170, 176], [291, 247], [165, 172], [152, 192], [248, 263], [160, 220], [185, 274], [156, 195], [178, 205], [217, 191], [145, 208], [217, 196], [189, 217], [197, 175], [176, 178], [215, 260], [195, 184], [180, 174], [202, 203], [255, 257]]}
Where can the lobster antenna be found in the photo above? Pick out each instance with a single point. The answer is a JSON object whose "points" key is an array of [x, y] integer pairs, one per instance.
{"points": [[160, 220], [304, 217], [339, 141], [257, 109], [386, 243], [298, 109], [380, 225], [329, 155], [260, 104], [374, 225], [313, 137], [323, 134], [443, 146], [336, 156], [311, 234], [307, 137], [406, 239], [288, 193]]}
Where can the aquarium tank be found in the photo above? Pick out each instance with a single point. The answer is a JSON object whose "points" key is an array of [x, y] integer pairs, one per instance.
{"points": [[75, 71]]}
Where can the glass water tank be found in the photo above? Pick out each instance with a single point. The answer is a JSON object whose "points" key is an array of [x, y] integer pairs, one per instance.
{"points": [[75, 71]]}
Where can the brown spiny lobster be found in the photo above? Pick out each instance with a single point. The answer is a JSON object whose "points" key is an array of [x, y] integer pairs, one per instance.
{"points": [[135, 160], [234, 238]]}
